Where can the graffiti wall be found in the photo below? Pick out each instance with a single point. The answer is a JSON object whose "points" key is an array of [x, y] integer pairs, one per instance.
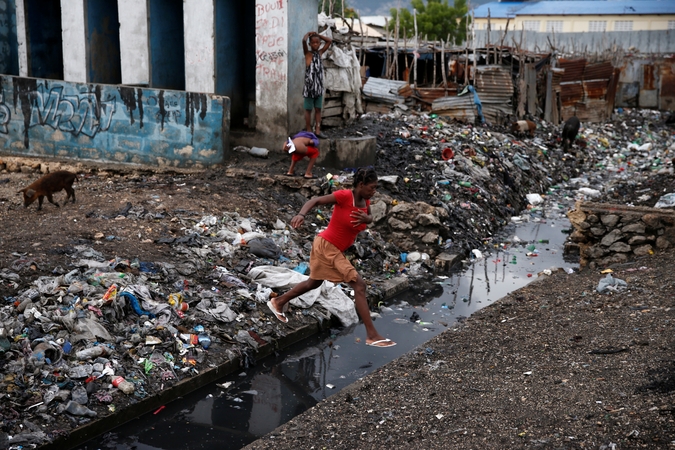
{"points": [[112, 123], [271, 18]]}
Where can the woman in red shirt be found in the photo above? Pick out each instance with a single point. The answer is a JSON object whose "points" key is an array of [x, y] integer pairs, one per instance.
{"points": [[351, 215]]}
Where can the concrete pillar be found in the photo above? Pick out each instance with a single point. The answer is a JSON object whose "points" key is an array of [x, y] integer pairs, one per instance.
{"points": [[22, 38], [134, 42], [272, 49], [73, 24], [200, 61]]}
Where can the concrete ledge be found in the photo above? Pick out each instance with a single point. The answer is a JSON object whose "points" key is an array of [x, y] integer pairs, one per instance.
{"points": [[348, 152], [394, 286], [445, 261]]}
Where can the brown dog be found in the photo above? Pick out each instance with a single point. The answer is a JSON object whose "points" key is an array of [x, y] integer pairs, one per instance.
{"points": [[48, 185]]}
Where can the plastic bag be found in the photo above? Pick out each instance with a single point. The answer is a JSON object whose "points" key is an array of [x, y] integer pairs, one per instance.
{"points": [[264, 248]]}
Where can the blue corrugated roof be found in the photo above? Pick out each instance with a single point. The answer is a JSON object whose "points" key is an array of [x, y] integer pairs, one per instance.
{"points": [[499, 10], [574, 7]]}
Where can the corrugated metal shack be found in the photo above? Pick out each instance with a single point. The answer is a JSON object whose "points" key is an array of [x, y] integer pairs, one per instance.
{"points": [[586, 90], [647, 82]]}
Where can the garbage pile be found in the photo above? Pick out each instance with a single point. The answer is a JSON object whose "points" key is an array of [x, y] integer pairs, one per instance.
{"points": [[86, 340], [447, 185]]}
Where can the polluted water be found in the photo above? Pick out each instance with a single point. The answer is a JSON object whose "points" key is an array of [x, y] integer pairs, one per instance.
{"points": [[244, 406]]}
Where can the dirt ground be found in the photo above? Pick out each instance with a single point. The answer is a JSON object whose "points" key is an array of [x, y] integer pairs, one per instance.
{"points": [[555, 365]]}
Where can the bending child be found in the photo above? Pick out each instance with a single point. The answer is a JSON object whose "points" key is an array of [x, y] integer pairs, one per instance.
{"points": [[306, 144], [350, 216]]}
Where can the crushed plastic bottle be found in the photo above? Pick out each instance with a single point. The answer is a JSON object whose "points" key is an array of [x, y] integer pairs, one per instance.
{"points": [[91, 353], [76, 409], [123, 385]]}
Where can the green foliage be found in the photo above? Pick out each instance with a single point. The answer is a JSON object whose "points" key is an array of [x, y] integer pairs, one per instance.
{"points": [[325, 6], [436, 20]]}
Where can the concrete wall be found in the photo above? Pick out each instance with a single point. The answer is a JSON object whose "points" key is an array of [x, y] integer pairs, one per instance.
{"points": [[660, 41], [75, 58], [272, 47], [199, 22], [134, 43], [571, 23], [49, 118]]}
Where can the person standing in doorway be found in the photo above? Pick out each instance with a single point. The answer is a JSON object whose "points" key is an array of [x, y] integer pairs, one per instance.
{"points": [[327, 261], [313, 89]]}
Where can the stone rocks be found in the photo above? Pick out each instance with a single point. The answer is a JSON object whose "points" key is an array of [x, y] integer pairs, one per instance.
{"points": [[610, 234]]}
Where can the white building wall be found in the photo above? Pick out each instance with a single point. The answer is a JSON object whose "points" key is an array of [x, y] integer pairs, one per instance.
{"points": [[272, 51], [134, 42], [74, 40], [200, 62]]}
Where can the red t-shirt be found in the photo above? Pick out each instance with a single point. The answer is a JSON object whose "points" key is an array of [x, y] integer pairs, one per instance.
{"points": [[340, 232]]}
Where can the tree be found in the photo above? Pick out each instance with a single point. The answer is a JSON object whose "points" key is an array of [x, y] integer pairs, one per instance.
{"points": [[336, 5], [436, 20]]}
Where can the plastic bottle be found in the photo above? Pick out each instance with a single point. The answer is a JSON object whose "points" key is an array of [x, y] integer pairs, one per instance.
{"points": [[123, 385], [76, 409], [464, 183], [91, 352]]}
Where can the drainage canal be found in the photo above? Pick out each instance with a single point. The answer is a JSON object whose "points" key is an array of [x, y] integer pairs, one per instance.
{"points": [[244, 406]]}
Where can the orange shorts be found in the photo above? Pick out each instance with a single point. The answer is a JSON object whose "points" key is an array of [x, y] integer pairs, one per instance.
{"points": [[327, 262], [312, 152]]}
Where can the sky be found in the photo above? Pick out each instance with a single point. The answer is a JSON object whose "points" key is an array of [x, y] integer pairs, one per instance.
{"points": [[382, 7]]}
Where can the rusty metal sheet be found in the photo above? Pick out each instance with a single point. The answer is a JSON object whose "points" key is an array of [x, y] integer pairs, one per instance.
{"points": [[460, 108], [574, 69], [667, 88], [598, 71], [648, 78], [596, 89], [571, 93]]}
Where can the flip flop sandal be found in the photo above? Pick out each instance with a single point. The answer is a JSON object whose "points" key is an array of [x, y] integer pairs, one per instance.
{"points": [[279, 315], [381, 341]]}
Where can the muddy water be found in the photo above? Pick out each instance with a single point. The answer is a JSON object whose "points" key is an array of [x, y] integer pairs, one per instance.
{"points": [[246, 406]]}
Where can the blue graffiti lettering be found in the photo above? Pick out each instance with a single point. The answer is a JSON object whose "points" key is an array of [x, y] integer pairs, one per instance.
{"points": [[75, 114], [5, 116]]}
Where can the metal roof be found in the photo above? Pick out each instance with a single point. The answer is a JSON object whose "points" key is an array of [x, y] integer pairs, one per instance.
{"points": [[575, 7], [498, 10]]}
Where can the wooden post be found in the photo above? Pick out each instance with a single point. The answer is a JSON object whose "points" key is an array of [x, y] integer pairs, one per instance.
{"points": [[386, 54], [417, 48], [489, 28], [396, 48], [433, 84], [443, 70], [475, 62], [501, 44], [363, 50], [466, 54]]}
